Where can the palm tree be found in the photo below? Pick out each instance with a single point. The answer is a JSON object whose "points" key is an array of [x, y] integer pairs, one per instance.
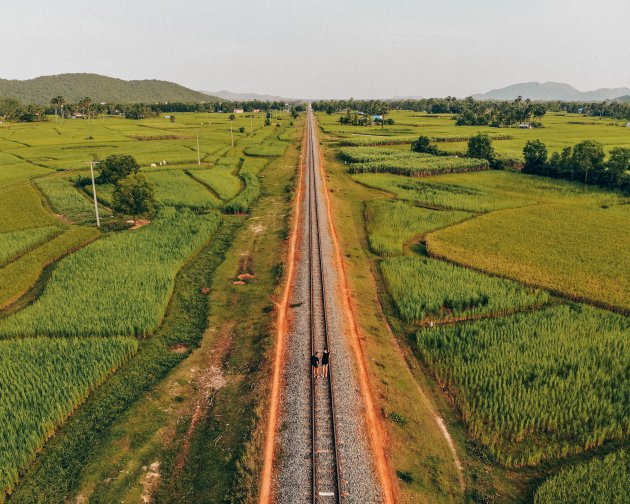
{"points": [[57, 102]]}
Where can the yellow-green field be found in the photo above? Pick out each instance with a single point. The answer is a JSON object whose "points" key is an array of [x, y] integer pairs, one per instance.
{"points": [[560, 130]]}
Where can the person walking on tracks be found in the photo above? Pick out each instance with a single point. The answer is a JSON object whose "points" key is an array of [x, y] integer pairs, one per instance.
{"points": [[325, 362], [315, 364]]}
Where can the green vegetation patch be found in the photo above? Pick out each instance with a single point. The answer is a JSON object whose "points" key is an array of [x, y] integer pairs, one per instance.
{"points": [[17, 277], [600, 481], [426, 289], [119, 285], [68, 201], [16, 243], [588, 260], [539, 385], [267, 150], [222, 178], [42, 381], [176, 188], [392, 223]]}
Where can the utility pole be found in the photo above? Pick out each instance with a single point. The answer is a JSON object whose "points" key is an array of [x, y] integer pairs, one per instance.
{"points": [[198, 155], [98, 220]]}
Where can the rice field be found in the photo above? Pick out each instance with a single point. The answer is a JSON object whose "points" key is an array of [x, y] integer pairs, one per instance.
{"points": [[602, 480], [68, 202], [138, 266], [536, 386], [17, 277], [42, 381], [589, 258], [222, 179], [427, 290], [390, 224], [15, 243], [179, 189]]}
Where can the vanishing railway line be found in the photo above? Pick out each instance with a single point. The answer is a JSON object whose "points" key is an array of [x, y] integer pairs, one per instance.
{"points": [[325, 474]]}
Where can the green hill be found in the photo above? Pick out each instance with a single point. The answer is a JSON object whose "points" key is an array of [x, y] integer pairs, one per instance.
{"points": [[99, 88]]}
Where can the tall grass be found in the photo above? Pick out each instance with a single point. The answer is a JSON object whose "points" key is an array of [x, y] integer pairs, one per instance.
{"points": [[605, 481], [119, 285], [222, 178], [42, 381], [15, 243], [17, 277], [536, 386], [67, 201], [426, 289], [392, 223]]}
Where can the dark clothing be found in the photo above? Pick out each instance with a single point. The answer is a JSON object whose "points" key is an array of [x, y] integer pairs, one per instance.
{"points": [[325, 358], [314, 361]]}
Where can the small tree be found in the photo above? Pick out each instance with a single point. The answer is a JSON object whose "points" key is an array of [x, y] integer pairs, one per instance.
{"points": [[172, 119], [423, 145], [480, 147], [241, 129], [117, 167], [588, 156], [535, 154], [618, 164], [133, 196]]}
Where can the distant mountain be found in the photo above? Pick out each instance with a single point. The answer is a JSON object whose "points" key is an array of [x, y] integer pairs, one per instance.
{"points": [[99, 88], [551, 91], [624, 99], [228, 95]]}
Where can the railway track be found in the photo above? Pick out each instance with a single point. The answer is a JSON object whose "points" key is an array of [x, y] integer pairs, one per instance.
{"points": [[325, 473]]}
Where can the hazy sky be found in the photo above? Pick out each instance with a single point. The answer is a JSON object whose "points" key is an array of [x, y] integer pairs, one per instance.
{"points": [[324, 48]]}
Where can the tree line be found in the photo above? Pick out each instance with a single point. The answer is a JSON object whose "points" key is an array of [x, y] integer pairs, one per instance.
{"points": [[585, 162], [12, 110]]}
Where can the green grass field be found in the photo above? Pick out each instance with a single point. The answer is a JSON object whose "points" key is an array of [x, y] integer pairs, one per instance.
{"points": [[138, 269], [390, 224], [559, 131], [536, 386], [428, 290], [605, 481], [588, 260], [43, 380]]}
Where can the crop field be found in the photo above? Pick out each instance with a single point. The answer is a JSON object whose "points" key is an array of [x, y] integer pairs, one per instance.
{"points": [[560, 130], [605, 480], [426, 290], [589, 259], [177, 188], [42, 381], [67, 201], [17, 277], [536, 386], [139, 267], [222, 179], [390, 224], [401, 162], [17, 243]]}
